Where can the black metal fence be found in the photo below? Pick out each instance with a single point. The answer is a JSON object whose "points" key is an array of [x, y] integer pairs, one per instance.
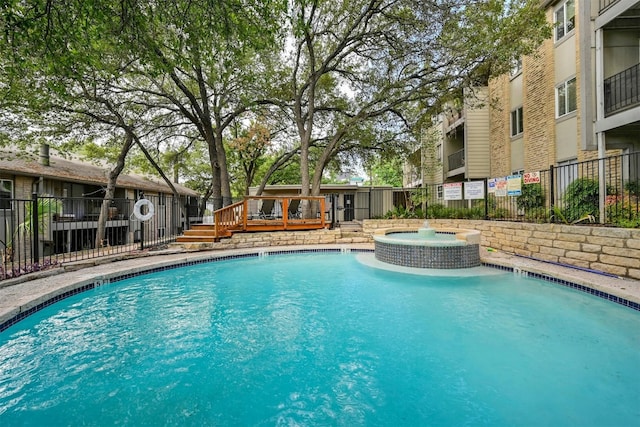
{"points": [[43, 231], [603, 191]]}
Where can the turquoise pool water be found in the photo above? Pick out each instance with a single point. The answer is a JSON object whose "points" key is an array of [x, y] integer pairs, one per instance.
{"points": [[322, 340]]}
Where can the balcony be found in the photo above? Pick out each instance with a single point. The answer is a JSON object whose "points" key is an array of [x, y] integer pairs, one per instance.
{"points": [[456, 160], [622, 90]]}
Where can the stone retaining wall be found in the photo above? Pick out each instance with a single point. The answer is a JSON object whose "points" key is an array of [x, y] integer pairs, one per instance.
{"points": [[282, 238], [612, 250]]}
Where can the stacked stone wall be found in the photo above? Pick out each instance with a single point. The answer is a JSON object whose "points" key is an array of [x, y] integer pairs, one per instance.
{"points": [[283, 238]]}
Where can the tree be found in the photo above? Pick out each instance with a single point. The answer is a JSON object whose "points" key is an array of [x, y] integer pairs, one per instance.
{"points": [[204, 63], [382, 61], [193, 66]]}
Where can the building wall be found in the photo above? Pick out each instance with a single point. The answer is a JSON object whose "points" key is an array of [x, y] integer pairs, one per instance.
{"points": [[477, 134], [546, 139], [500, 143]]}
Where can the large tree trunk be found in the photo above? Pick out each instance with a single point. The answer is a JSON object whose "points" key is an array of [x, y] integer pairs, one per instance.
{"points": [[216, 188], [111, 188], [225, 186]]}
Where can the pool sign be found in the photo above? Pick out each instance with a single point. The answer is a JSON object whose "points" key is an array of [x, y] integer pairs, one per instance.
{"points": [[514, 185], [452, 191], [531, 178], [491, 186], [474, 190], [501, 186]]}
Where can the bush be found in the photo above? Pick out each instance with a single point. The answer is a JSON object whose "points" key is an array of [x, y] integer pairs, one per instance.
{"points": [[531, 197], [581, 200], [400, 212], [623, 211], [633, 188], [539, 215]]}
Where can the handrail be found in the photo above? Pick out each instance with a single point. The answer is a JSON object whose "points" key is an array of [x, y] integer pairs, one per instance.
{"points": [[456, 160], [228, 217], [622, 90]]}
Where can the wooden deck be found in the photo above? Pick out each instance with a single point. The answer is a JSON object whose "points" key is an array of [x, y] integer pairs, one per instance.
{"points": [[260, 213]]}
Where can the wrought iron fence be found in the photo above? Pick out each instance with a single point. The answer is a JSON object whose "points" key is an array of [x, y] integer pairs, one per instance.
{"points": [[44, 231], [568, 194]]}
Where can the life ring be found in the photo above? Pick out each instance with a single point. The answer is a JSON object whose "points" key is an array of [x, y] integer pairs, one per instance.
{"points": [[138, 206]]}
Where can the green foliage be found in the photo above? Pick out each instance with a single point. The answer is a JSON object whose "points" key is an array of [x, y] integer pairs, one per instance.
{"points": [[400, 212], [532, 196], [560, 215], [499, 213], [633, 188], [623, 211], [47, 208], [387, 172], [538, 214], [581, 200]]}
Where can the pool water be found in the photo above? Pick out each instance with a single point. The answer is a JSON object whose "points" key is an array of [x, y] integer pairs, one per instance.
{"points": [[322, 340]]}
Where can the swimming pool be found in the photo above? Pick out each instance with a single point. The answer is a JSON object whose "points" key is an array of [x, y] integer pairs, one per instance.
{"points": [[314, 339]]}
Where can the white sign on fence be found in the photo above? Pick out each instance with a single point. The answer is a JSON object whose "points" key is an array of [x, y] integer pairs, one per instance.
{"points": [[501, 187], [491, 186], [474, 190], [514, 185], [452, 191], [531, 178]]}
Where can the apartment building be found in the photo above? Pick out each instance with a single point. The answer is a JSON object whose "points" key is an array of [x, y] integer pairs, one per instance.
{"points": [[79, 188], [577, 98], [455, 148]]}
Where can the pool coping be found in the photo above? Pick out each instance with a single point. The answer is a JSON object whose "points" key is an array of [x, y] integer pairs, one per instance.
{"points": [[19, 300]]}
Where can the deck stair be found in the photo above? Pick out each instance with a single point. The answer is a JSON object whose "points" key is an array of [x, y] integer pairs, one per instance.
{"points": [[199, 233]]}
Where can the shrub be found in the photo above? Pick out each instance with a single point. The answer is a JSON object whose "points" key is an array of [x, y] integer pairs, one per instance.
{"points": [[633, 188], [581, 200], [623, 211], [531, 197], [400, 212], [537, 214]]}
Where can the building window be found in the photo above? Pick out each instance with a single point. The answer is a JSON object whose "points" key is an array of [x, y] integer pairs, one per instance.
{"points": [[565, 19], [516, 67], [440, 192], [517, 122], [6, 193], [439, 152], [566, 97], [566, 173]]}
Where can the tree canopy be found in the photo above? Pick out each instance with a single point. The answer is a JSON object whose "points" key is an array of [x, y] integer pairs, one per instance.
{"points": [[162, 78]]}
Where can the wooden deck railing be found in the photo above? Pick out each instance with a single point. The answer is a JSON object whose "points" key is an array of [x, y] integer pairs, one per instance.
{"points": [[270, 213], [228, 219]]}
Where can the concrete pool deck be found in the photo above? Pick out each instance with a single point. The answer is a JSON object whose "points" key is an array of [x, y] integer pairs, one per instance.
{"points": [[27, 293]]}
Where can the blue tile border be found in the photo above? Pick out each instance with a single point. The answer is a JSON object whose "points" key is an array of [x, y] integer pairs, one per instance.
{"points": [[582, 288], [18, 317]]}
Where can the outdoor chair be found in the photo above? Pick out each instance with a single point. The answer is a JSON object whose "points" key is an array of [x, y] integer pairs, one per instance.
{"points": [[293, 212], [266, 209]]}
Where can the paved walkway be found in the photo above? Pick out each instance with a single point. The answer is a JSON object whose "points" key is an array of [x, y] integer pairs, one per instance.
{"points": [[18, 296]]}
